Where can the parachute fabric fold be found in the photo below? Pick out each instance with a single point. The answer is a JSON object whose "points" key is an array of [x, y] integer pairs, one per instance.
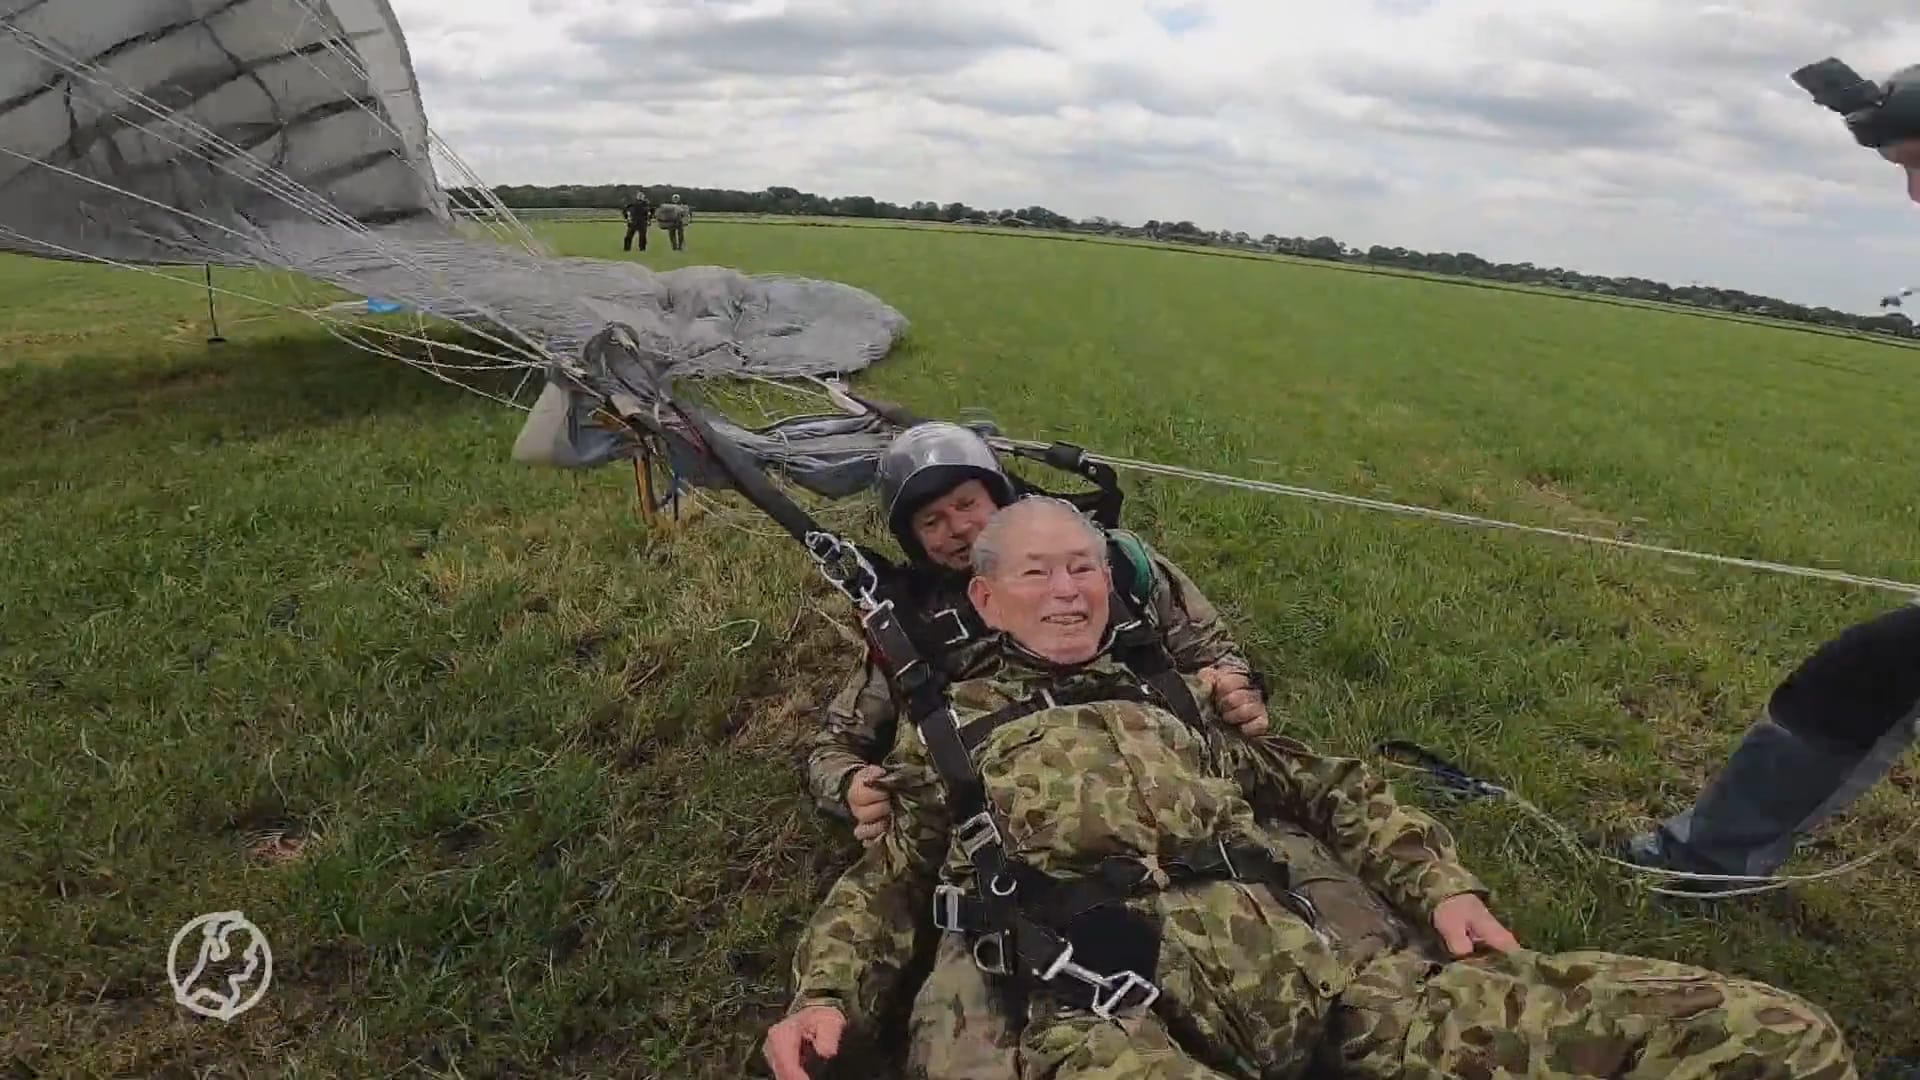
{"points": [[187, 131], [290, 135]]}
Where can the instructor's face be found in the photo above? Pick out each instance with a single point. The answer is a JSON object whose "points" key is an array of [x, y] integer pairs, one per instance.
{"points": [[1906, 154]]}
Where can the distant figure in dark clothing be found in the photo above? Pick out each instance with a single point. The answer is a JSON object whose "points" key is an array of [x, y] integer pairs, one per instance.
{"points": [[637, 213], [1828, 734]]}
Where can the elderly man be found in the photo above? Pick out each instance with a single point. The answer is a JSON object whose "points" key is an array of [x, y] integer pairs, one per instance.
{"points": [[1136, 951], [938, 484]]}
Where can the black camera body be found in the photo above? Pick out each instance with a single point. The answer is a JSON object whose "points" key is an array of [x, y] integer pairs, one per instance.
{"points": [[1876, 113]]}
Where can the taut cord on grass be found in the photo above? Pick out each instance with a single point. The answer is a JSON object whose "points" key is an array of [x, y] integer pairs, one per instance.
{"points": [[1911, 591], [1462, 784]]}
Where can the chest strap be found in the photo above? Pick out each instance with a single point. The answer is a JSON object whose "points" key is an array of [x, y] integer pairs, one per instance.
{"points": [[976, 732], [1088, 913], [1058, 901]]}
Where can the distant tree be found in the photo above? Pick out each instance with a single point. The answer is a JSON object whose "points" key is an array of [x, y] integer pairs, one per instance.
{"points": [[1323, 247]]}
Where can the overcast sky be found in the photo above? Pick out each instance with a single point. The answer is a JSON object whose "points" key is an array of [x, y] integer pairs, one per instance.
{"points": [[1652, 137]]}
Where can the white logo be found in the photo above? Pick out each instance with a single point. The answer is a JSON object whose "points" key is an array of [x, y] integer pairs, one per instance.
{"points": [[214, 1000]]}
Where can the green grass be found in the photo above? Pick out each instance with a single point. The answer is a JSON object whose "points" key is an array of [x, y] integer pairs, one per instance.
{"points": [[544, 756]]}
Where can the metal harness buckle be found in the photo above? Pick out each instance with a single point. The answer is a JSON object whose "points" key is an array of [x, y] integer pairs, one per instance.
{"points": [[977, 832], [1111, 993], [960, 625], [1119, 986], [946, 907], [997, 945]]}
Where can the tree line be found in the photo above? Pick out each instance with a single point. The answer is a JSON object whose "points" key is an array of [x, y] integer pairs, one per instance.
{"points": [[792, 201]]}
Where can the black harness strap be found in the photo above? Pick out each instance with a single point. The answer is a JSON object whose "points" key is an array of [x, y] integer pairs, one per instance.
{"points": [[1137, 645], [1102, 505], [1059, 901], [976, 732]]}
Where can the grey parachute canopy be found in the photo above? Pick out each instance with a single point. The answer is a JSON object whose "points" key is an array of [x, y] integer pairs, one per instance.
{"points": [[290, 135]]}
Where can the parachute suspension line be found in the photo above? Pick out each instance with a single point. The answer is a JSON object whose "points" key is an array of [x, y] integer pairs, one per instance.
{"points": [[1269, 487], [284, 188], [1753, 884], [332, 327], [537, 358]]}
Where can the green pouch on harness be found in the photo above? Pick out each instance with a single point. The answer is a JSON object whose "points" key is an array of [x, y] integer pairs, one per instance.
{"points": [[1136, 576]]}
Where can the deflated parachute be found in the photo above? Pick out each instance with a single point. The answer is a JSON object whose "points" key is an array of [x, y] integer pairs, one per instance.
{"points": [[290, 135]]}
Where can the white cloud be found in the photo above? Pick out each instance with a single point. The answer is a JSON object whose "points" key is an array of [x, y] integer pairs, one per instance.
{"points": [[1656, 137]]}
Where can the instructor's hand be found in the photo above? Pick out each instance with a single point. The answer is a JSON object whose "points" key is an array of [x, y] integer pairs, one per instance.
{"points": [[816, 1027], [869, 803], [1235, 699], [1465, 923]]}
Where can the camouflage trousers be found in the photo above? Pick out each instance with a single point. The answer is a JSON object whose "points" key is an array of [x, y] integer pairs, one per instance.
{"points": [[1243, 986], [1521, 1014], [957, 1030]]}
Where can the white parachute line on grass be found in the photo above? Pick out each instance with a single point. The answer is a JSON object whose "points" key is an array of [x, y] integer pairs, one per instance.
{"points": [[433, 370], [1755, 884], [317, 208], [1269, 487], [421, 338], [329, 325]]}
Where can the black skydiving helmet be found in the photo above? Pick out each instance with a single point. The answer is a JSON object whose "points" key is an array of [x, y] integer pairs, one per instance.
{"points": [[927, 461], [1876, 113]]}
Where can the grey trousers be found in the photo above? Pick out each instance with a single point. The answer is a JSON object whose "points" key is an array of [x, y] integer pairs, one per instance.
{"points": [[1778, 785]]}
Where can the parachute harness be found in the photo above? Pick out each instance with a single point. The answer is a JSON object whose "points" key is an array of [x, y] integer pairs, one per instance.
{"points": [[1075, 936]]}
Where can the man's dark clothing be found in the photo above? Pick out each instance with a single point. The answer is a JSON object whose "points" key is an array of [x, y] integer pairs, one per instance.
{"points": [[637, 213], [1830, 731]]}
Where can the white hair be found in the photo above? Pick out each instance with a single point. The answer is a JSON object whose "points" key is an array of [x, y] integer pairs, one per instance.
{"points": [[986, 553]]}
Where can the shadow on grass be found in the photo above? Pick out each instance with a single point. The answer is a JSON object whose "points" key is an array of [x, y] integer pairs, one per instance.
{"points": [[238, 391]]}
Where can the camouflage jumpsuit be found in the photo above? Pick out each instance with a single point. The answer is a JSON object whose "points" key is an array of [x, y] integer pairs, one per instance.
{"points": [[1248, 983], [956, 1031]]}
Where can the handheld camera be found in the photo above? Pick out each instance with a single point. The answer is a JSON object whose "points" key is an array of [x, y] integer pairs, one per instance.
{"points": [[1876, 113]]}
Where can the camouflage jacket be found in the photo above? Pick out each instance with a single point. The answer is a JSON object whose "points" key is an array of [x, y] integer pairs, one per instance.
{"points": [[862, 721], [1068, 784]]}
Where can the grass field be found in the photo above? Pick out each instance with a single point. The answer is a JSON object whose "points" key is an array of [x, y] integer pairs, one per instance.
{"points": [[510, 778]]}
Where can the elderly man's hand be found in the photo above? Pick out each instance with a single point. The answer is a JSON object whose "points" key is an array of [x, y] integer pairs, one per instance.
{"points": [[818, 1027], [1465, 923], [869, 803], [1236, 699]]}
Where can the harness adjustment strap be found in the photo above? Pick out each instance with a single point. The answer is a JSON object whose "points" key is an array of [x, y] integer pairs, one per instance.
{"points": [[976, 832]]}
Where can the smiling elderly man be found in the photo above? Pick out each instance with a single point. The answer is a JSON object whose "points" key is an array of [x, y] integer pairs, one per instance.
{"points": [[1129, 836], [938, 484]]}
